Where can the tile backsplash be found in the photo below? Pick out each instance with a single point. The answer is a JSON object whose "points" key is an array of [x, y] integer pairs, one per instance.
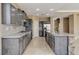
{"points": [[8, 29]]}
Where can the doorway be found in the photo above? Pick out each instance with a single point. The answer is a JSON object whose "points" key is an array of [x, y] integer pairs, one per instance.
{"points": [[44, 26], [41, 29], [66, 25]]}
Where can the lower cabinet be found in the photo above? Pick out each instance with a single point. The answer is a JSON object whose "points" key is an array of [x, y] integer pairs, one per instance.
{"points": [[50, 40], [20, 46], [61, 45], [10, 46], [58, 44], [15, 46]]}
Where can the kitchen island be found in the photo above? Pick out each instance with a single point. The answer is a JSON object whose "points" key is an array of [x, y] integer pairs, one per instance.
{"points": [[15, 44], [59, 42]]}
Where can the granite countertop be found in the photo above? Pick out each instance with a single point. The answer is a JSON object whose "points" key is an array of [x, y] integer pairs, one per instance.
{"points": [[16, 35], [63, 34]]}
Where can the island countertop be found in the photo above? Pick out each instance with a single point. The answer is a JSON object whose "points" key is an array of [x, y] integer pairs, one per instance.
{"points": [[15, 35], [62, 34]]}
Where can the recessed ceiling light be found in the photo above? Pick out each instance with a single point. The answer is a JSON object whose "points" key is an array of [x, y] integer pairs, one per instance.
{"points": [[37, 9], [51, 9], [47, 14], [37, 14]]}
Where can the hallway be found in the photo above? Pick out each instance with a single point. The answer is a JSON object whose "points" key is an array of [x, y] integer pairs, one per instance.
{"points": [[38, 46]]}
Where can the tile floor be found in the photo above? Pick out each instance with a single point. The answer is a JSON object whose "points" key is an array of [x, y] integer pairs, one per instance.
{"points": [[38, 46]]}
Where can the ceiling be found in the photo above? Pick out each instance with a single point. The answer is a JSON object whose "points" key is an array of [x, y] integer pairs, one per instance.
{"points": [[58, 9]]}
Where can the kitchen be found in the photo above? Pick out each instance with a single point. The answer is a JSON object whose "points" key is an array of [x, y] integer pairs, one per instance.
{"points": [[19, 29]]}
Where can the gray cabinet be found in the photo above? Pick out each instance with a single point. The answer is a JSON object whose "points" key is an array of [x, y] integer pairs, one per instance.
{"points": [[61, 45], [58, 44], [12, 15], [10, 46], [15, 46], [20, 45], [50, 40]]}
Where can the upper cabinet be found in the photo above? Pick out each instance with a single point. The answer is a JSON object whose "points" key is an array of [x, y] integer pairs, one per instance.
{"points": [[12, 15]]}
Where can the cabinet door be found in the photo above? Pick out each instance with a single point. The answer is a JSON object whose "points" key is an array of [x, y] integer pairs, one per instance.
{"points": [[21, 45], [53, 43], [24, 41], [10, 46], [61, 45]]}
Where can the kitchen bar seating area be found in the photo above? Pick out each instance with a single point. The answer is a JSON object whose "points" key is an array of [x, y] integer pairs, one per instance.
{"points": [[39, 29]]}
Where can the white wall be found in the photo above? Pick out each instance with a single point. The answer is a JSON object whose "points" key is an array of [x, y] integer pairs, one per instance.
{"points": [[71, 24], [43, 18], [61, 25], [78, 23], [35, 26], [74, 23], [52, 25]]}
